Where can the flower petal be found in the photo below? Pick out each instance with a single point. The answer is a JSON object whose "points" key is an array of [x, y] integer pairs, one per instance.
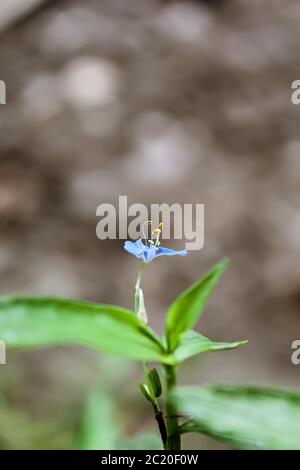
{"points": [[140, 244], [150, 253], [168, 252], [134, 249]]}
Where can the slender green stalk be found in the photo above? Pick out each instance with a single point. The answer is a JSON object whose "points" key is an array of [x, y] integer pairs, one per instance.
{"points": [[137, 297], [140, 310], [171, 409]]}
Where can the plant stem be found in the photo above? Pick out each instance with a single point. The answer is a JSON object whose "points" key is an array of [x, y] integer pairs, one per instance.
{"points": [[157, 412], [161, 425], [170, 436], [137, 287], [171, 409]]}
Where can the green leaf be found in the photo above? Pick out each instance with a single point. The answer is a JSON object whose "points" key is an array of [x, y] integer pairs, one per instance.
{"points": [[244, 417], [185, 312], [194, 344], [40, 322]]}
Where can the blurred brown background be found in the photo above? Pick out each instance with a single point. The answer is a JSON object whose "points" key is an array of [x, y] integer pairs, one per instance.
{"points": [[163, 101]]}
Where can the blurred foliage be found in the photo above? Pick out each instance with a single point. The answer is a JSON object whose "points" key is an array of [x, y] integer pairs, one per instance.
{"points": [[244, 417], [53, 422]]}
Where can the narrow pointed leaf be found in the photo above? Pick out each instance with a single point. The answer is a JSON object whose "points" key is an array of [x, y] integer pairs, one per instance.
{"points": [[243, 417], [185, 312], [194, 344], [40, 322]]}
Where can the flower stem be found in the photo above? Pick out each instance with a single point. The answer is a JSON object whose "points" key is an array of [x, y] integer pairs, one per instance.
{"points": [[137, 288], [171, 409], [139, 303]]}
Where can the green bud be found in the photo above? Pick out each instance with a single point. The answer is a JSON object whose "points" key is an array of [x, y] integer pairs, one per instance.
{"points": [[140, 305], [145, 391], [154, 382]]}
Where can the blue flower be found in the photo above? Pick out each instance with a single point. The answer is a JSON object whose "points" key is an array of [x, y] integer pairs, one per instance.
{"points": [[149, 252]]}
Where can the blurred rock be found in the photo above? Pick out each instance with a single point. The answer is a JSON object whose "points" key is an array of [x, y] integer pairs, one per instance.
{"points": [[90, 82]]}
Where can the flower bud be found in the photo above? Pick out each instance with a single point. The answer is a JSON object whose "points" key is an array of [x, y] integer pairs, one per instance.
{"points": [[154, 382], [145, 391]]}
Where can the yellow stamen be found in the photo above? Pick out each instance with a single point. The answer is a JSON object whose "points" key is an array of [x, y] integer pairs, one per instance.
{"points": [[158, 231], [159, 228]]}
